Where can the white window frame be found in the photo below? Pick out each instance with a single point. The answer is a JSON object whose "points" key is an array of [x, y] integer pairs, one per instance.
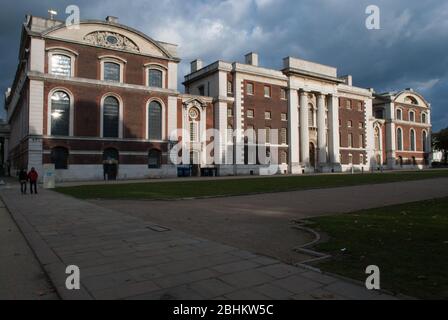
{"points": [[424, 114], [401, 114], [250, 116], [284, 116], [113, 59], [410, 140], [409, 115], [120, 119], [163, 119], [247, 88], [159, 67], [72, 110], [268, 115], [269, 94], [402, 142], [65, 52]]}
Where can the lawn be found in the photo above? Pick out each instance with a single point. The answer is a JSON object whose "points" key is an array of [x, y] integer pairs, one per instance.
{"points": [[409, 243], [232, 187]]}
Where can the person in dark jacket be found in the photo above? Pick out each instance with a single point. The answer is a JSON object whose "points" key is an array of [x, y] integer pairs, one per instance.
{"points": [[32, 177], [23, 178]]}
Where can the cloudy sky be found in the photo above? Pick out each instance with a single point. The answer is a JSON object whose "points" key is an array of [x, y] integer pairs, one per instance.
{"points": [[410, 50]]}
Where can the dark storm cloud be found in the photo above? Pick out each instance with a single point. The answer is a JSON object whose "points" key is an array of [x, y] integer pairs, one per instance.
{"points": [[408, 51]]}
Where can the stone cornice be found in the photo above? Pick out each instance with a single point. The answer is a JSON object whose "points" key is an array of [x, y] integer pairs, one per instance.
{"points": [[74, 80]]}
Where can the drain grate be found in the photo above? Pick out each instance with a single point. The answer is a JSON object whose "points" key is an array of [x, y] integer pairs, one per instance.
{"points": [[158, 228]]}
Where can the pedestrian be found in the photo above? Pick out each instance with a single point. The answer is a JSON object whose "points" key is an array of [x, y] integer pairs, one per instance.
{"points": [[32, 177], [23, 178]]}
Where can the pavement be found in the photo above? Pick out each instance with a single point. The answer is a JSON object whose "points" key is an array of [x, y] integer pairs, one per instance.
{"points": [[262, 223], [121, 256], [21, 275]]}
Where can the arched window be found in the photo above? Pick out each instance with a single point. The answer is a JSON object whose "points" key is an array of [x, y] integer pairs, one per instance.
{"points": [[399, 114], [412, 137], [111, 117], [411, 116], [399, 139], [425, 141], [310, 115], [154, 159], [60, 114], [155, 78], [59, 156], [112, 72], [61, 65], [155, 121], [423, 117]]}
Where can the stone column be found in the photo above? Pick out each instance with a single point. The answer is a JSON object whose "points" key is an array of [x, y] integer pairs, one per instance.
{"points": [[321, 130], [390, 135], [304, 130], [333, 128], [293, 131]]}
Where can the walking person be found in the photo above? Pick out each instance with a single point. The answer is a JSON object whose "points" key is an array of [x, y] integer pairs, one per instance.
{"points": [[32, 177], [23, 178]]}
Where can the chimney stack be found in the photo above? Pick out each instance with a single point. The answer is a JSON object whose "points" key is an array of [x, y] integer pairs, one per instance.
{"points": [[112, 19], [252, 59], [196, 65], [348, 79]]}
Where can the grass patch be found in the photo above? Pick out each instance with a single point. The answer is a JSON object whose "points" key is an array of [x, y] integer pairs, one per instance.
{"points": [[186, 189], [409, 243]]}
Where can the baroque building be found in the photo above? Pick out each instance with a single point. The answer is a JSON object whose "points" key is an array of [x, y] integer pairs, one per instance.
{"points": [[102, 100]]}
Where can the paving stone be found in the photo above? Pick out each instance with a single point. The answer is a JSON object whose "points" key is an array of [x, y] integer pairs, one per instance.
{"points": [[280, 270], [351, 291], [211, 288], [318, 294], [272, 291], [246, 294], [297, 284], [248, 278], [125, 291], [235, 266], [184, 278], [319, 277]]}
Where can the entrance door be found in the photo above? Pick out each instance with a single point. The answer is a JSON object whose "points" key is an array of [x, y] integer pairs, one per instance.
{"points": [[312, 155], [195, 164]]}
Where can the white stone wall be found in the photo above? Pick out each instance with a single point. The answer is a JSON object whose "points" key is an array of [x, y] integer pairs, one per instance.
{"points": [[125, 172]]}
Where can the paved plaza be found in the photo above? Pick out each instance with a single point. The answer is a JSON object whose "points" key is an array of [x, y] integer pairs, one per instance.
{"points": [[262, 223], [122, 256]]}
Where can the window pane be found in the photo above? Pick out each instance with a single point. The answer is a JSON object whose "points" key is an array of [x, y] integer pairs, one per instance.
{"points": [[155, 78], [60, 114], [61, 65], [59, 156], [155, 121], [111, 71], [111, 111]]}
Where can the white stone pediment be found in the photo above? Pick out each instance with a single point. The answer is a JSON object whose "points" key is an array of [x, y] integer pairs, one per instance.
{"points": [[97, 33]]}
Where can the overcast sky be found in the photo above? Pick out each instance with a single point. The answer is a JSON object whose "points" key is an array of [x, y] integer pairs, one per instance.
{"points": [[410, 50]]}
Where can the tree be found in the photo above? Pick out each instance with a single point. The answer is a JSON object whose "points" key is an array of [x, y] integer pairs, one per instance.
{"points": [[440, 143]]}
